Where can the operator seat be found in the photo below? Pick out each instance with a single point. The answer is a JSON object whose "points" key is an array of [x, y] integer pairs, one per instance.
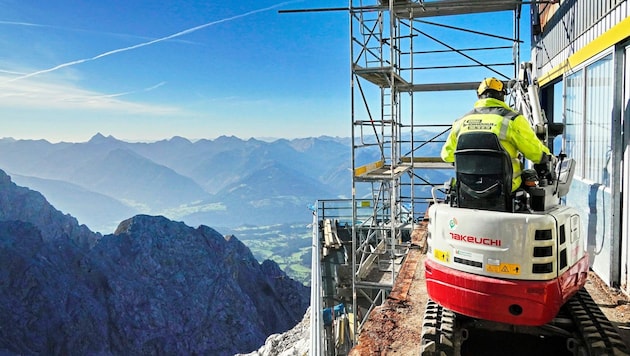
{"points": [[483, 171]]}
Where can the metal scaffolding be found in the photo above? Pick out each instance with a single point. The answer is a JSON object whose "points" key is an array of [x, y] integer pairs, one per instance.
{"points": [[394, 146], [386, 72]]}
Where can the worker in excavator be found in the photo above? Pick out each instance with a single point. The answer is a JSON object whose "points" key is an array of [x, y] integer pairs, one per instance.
{"points": [[491, 113]]}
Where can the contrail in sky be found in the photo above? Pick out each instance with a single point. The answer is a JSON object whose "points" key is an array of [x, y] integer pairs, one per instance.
{"points": [[144, 44], [128, 92], [22, 24], [10, 72], [30, 24]]}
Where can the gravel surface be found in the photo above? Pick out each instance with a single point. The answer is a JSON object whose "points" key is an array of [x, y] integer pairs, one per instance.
{"points": [[613, 303], [395, 328]]}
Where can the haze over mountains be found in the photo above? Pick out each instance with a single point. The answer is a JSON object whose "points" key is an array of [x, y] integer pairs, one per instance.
{"points": [[222, 182]]}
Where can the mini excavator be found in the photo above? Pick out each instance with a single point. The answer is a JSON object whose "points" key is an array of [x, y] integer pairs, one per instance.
{"points": [[509, 261]]}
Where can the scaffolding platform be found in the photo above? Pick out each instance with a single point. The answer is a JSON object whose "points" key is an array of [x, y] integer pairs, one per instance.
{"points": [[384, 172], [433, 87], [384, 77], [427, 162], [406, 9]]}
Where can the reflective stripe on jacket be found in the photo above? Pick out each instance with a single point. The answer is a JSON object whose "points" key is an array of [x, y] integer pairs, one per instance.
{"points": [[512, 128]]}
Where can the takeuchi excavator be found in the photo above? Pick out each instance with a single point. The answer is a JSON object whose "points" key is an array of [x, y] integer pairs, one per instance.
{"points": [[514, 262]]}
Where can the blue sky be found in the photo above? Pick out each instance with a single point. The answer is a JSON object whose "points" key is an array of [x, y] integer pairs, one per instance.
{"points": [[146, 70]]}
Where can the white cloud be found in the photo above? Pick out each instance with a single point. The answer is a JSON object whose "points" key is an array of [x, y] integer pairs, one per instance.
{"points": [[49, 95]]}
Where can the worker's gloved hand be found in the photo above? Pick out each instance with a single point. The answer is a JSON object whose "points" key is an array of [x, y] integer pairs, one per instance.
{"points": [[544, 159], [554, 162], [544, 169]]}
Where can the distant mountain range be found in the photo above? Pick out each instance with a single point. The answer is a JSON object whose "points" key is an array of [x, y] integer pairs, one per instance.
{"points": [[222, 182], [225, 182]]}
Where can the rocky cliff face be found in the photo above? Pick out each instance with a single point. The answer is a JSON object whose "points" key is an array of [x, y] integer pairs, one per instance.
{"points": [[153, 287], [22, 204]]}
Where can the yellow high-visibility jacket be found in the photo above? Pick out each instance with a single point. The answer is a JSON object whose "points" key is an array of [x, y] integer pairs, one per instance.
{"points": [[512, 128]]}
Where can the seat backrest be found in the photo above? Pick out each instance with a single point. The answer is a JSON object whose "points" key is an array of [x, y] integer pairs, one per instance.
{"points": [[484, 172]]}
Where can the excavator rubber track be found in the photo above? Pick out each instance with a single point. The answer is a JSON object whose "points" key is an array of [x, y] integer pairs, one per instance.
{"points": [[598, 334], [440, 336], [590, 333]]}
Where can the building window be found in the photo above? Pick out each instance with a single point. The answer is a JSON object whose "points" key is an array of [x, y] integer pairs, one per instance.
{"points": [[574, 125], [598, 119], [589, 103]]}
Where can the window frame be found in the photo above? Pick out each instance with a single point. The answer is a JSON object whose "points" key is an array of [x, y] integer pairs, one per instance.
{"points": [[584, 159]]}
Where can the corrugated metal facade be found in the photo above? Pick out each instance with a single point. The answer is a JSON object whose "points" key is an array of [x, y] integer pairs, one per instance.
{"points": [[574, 25]]}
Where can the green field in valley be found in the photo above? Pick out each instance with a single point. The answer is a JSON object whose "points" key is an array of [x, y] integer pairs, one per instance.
{"points": [[289, 245]]}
